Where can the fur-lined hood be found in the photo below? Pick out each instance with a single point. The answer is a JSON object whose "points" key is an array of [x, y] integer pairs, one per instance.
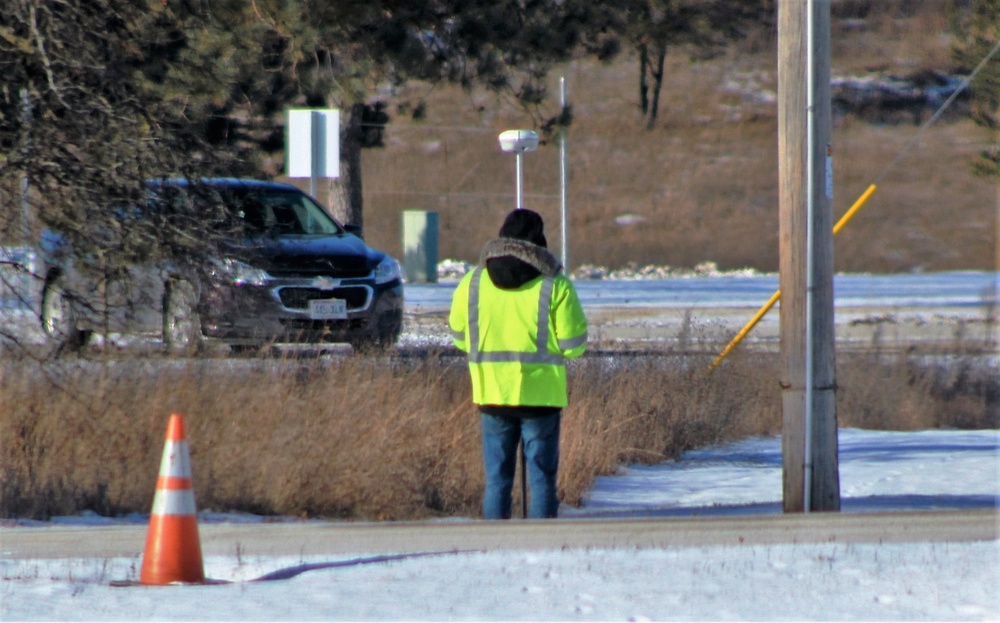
{"points": [[511, 262]]}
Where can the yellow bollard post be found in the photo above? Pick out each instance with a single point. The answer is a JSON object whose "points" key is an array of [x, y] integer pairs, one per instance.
{"points": [[854, 208], [746, 328], [777, 294]]}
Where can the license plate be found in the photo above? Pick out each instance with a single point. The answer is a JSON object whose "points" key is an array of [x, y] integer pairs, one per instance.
{"points": [[328, 309]]}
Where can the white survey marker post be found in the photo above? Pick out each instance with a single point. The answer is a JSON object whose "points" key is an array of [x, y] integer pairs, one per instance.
{"points": [[312, 144], [518, 142]]}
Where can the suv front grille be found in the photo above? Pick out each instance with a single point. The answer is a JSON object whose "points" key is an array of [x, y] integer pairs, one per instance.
{"points": [[298, 298], [339, 267], [317, 271]]}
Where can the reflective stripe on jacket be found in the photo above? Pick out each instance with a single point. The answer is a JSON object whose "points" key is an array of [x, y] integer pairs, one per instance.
{"points": [[518, 340]]}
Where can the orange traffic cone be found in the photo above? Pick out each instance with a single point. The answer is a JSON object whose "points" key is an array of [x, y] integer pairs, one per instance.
{"points": [[173, 549]]}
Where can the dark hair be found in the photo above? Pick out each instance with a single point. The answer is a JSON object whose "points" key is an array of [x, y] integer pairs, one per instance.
{"points": [[524, 224]]}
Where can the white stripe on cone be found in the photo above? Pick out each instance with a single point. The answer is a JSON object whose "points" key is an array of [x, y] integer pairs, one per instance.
{"points": [[176, 463], [174, 502], [176, 460]]}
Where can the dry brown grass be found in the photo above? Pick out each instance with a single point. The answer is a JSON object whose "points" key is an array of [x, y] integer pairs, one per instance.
{"points": [[356, 438], [349, 438], [704, 180]]}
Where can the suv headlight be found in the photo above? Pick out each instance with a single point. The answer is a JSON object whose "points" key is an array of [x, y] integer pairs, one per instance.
{"points": [[238, 273], [387, 270]]}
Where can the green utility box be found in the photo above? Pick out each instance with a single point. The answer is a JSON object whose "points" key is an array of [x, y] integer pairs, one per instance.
{"points": [[420, 246]]}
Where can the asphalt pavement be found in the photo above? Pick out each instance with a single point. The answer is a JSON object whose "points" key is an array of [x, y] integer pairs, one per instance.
{"points": [[308, 538]]}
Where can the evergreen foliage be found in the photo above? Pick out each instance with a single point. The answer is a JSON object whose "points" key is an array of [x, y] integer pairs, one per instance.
{"points": [[979, 33], [703, 27], [99, 95], [122, 90]]}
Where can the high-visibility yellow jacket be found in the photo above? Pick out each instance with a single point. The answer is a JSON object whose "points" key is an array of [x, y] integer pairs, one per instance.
{"points": [[518, 339]]}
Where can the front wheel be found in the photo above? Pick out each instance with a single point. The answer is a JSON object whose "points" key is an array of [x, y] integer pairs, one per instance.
{"points": [[59, 318], [387, 331], [181, 321]]}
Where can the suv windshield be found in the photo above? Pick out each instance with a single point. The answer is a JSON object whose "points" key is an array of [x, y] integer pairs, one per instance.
{"points": [[258, 211], [277, 213]]}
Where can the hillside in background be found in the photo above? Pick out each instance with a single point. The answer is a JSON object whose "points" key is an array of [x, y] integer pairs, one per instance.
{"points": [[702, 184]]}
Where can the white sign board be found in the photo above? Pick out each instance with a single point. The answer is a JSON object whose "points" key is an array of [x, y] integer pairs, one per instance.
{"points": [[312, 143]]}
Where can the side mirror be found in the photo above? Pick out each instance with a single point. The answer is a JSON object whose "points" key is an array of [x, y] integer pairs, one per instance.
{"points": [[354, 229]]}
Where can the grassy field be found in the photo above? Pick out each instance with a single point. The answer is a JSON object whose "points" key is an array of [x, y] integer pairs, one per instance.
{"points": [[355, 438], [702, 184], [359, 439]]}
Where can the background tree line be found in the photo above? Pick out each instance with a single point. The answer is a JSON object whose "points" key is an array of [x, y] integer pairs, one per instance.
{"points": [[99, 95]]}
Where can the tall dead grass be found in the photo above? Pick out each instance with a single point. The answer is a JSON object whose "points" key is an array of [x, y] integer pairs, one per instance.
{"points": [[380, 439]]}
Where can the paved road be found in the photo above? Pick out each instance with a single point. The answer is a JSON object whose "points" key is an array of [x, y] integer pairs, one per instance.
{"points": [[321, 538], [901, 309]]}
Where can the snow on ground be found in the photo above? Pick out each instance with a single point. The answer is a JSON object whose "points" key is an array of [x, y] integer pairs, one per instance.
{"points": [[923, 470], [880, 471]]}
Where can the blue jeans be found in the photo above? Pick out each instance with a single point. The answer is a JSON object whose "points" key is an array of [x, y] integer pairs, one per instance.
{"points": [[541, 454]]}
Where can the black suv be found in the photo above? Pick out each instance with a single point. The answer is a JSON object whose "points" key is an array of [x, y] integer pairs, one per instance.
{"points": [[289, 272]]}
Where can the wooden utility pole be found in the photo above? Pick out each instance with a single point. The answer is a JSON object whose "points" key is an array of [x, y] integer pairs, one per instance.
{"points": [[811, 480]]}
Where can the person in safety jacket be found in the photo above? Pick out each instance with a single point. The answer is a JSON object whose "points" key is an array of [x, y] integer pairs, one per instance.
{"points": [[518, 318]]}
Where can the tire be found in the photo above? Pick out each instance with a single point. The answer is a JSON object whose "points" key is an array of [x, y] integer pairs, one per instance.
{"points": [[390, 327], [59, 318], [386, 335], [181, 321]]}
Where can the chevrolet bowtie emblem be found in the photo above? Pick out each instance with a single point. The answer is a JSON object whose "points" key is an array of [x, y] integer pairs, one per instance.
{"points": [[324, 283]]}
